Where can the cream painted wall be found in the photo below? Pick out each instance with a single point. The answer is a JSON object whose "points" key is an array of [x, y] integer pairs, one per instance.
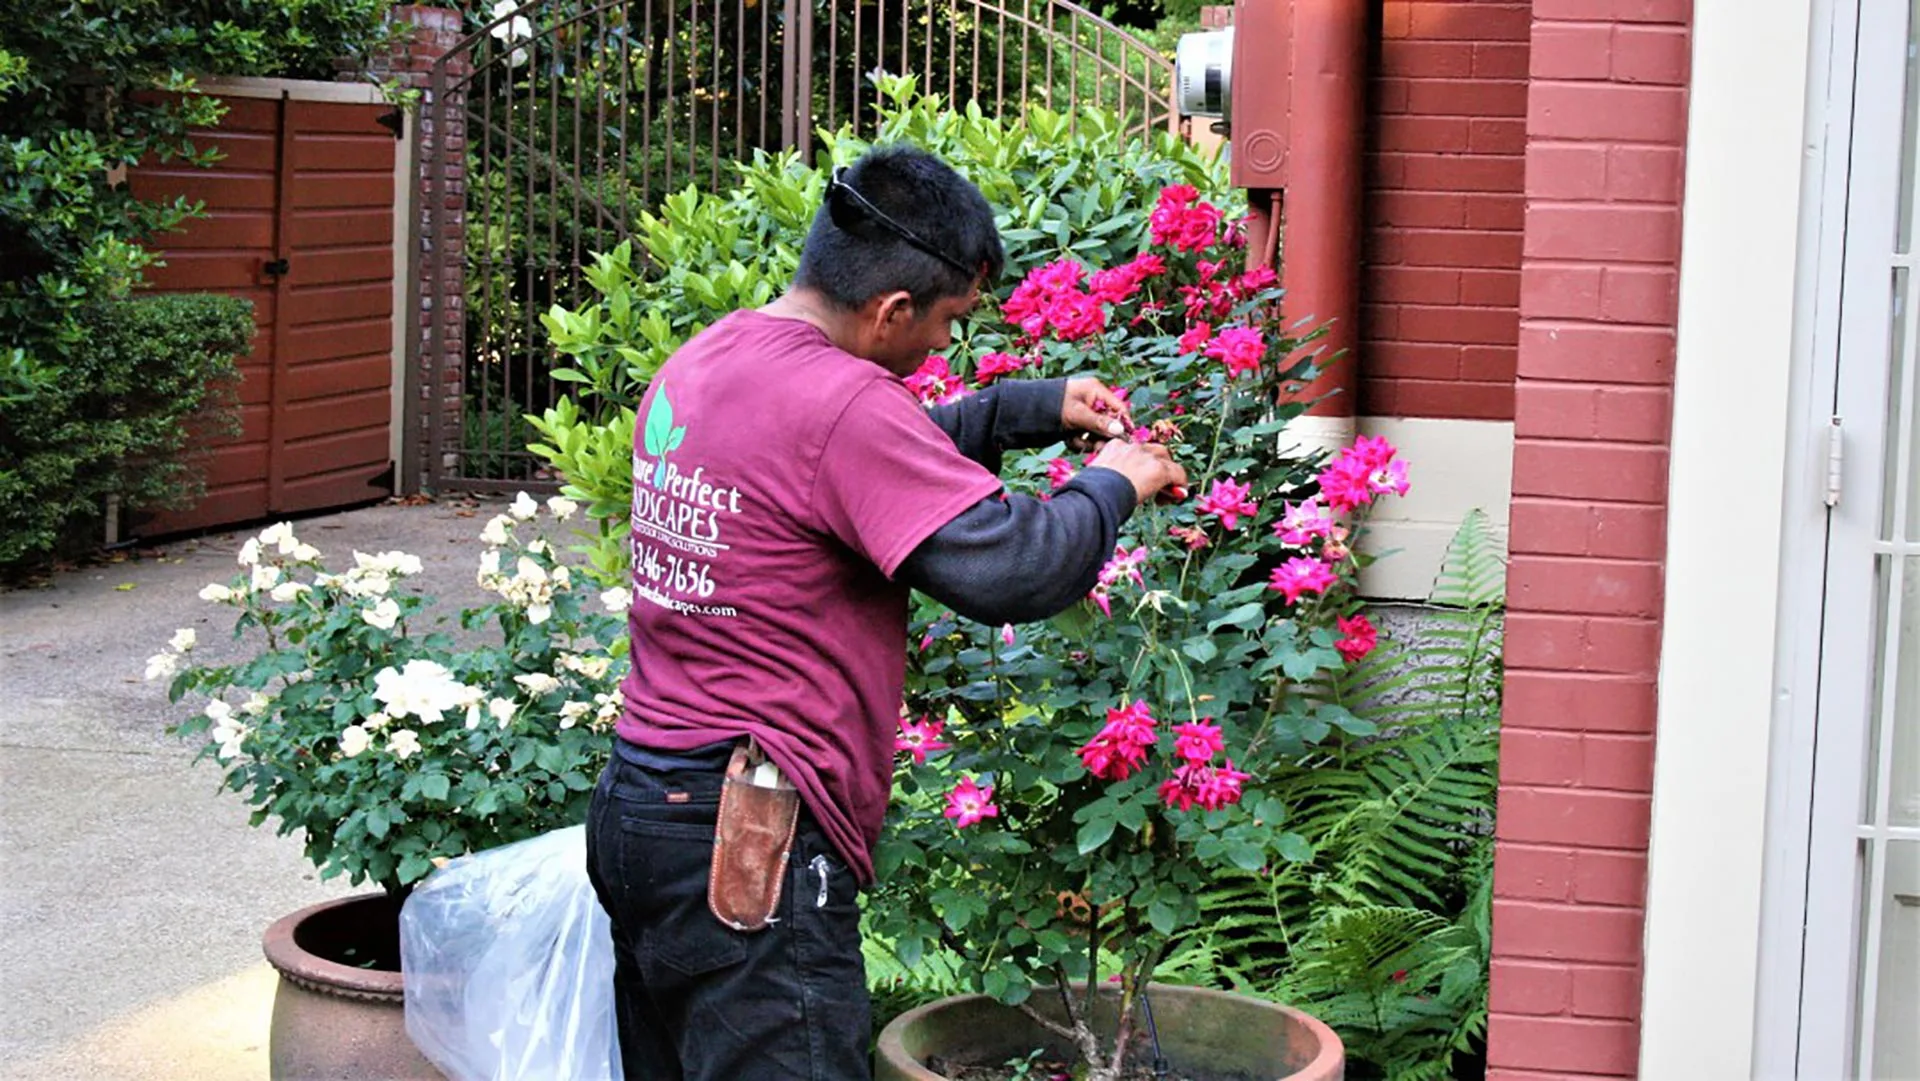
{"points": [[1455, 466]]}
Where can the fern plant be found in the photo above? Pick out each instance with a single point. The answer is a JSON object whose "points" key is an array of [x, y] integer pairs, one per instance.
{"points": [[1385, 932]]}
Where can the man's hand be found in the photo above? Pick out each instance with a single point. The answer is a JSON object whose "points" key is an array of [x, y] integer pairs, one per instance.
{"points": [[1093, 408], [1149, 466]]}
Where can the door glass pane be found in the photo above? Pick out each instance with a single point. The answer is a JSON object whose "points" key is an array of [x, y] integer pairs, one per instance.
{"points": [[1904, 238], [1899, 668], [1898, 390], [1892, 947]]}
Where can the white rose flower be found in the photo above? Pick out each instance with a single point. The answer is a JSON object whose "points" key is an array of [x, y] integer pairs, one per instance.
{"points": [[288, 591], [590, 667], [361, 582], [354, 739], [281, 536], [182, 640], [375, 721], [383, 615], [473, 716], [609, 710], [404, 744], [617, 599], [489, 565], [391, 564], [562, 578], [229, 733], [249, 553], [423, 689], [162, 666], [539, 548], [257, 705], [265, 576], [539, 612], [219, 712], [524, 507], [306, 553], [562, 507], [229, 740], [537, 683], [216, 593], [573, 713], [501, 709], [496, 531]]}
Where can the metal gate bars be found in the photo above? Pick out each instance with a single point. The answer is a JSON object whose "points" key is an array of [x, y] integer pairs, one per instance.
{"points": [[550, 129]]}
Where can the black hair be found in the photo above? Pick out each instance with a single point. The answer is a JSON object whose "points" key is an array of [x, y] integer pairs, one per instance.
{"points": [[860, 258]]}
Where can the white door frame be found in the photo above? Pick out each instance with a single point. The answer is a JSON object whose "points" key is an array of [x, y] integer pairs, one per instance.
{"points": [[1805, 525], [1805, 1020]]}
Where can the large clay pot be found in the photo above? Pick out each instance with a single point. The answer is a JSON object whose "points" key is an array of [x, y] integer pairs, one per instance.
{"points": [[1200, 1029], [338, 1014]]}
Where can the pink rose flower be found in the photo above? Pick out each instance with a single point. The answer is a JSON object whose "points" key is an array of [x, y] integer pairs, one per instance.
{"points": [[1210, 788], [1299, 576], [1302, 522], [919, 738], [1358, 637], [1227, 500], [1196, 338], [1121, 747], [935, 383], [1197, 743], [1241, 349], [969, 803]]}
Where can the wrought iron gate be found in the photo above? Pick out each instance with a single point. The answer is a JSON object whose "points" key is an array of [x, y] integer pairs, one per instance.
{"points": [[548, 131]]}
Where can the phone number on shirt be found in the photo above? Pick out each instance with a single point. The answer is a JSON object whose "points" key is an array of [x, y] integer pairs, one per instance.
{"points": [[665, 570]]}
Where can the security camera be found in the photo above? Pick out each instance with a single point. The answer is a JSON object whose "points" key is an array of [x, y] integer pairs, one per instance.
{"points": [[1203, 73]]}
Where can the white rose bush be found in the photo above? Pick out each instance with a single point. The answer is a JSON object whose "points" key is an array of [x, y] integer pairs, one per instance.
{"points": [[363, 723]]}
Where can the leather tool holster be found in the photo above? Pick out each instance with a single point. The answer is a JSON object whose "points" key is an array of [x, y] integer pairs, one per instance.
{"points": [[752, 842]]}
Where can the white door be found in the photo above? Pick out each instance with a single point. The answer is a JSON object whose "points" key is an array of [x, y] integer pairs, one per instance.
{"points": [[1860, 987]]}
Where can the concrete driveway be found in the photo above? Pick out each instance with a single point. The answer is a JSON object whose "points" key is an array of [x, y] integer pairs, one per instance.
{"points": [[133, 894]]}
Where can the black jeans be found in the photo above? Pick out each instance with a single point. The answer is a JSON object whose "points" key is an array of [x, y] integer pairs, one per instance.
{"points": [[696, 1000]]}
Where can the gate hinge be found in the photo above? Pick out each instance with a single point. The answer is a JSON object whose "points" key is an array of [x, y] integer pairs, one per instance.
{"points": [[1836, 446], [394, 121]]}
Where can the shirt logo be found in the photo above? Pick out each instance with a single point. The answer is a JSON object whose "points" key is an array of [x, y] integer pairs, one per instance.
{"points": [[661, 437]]}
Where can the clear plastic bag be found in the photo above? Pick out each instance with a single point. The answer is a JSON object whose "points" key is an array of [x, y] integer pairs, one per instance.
{"points": [[508, 962]]}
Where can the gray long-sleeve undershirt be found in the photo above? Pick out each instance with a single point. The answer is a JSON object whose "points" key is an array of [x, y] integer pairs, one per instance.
{"points": [[1014, 558]]}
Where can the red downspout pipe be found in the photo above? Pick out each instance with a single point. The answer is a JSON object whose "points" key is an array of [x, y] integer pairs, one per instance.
{"points": [[1298, 132]]}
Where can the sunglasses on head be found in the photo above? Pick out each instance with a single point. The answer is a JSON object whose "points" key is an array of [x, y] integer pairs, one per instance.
{"points": [[847, 207]]}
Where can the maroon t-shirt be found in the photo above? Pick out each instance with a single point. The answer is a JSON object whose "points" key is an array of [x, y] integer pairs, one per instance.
{"points": [[778, 482]]}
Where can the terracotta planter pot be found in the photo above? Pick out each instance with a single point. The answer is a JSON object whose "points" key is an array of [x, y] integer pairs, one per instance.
{"points": [[1200, 1029], [338, 1015]]}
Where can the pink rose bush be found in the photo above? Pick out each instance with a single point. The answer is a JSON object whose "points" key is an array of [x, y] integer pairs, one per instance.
{"points": [[1123, 754]]}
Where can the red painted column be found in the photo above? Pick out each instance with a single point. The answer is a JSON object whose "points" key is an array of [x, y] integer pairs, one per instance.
{"points": [[1606, 129], [1299, 124]]}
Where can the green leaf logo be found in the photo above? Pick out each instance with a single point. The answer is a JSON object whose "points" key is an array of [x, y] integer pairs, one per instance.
{"points": [[660, 436]]}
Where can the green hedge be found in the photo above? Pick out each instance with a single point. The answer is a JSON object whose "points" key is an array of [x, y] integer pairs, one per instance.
{"points": [[147, 377]]}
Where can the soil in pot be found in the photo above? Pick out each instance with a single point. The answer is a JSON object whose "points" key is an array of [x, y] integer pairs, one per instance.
{"points": [[1048, 1068]]}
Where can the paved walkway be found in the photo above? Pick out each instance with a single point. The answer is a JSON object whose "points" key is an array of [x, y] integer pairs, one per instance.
{"points": [[133, 894]]}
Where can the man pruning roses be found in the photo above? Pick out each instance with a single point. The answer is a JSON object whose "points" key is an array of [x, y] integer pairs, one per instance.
{"points": [[789, 491]]}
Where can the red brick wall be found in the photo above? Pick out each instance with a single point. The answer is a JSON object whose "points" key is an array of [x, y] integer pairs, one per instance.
{"points": [[435, 32], [1446, 150], [1606, 124]]}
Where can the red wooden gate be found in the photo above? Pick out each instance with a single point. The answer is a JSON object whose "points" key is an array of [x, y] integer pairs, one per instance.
{"points": [[300, 220]]}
